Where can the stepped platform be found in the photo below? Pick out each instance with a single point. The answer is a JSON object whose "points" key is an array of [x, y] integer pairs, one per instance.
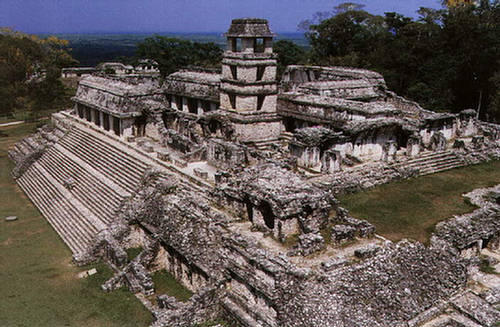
{"points": [[432, 162], [82, 179]]}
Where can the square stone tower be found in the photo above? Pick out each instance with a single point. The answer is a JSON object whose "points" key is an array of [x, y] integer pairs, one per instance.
{"points": [[249, 88]]}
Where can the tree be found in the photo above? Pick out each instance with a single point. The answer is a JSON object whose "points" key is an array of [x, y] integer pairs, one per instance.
{"points": [[446, 59], [30, 68], [288, 53], [345, 37], [171, 54]]}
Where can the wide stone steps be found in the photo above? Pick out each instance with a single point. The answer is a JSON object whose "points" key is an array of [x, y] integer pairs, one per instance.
{"points": [[111, 148], [99, 198], [64, 214], [134, 156], [432, 162], [103, 158]]}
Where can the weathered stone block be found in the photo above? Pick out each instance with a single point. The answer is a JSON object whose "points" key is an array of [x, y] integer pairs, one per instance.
{"points": [[180, 163], [343, 233], [367, 252], [163, 155], [200, 173]]}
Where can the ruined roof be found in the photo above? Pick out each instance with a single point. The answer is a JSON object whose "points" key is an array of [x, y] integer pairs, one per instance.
{"points": [[315, 136], [370, 108], [320, 73], [387, 290], [119, 88], [105, 65], [347, 89], [466, 230], [354, 127], [249, 27], [194, 84], [195, 77], [285, 191], [182, 219]]}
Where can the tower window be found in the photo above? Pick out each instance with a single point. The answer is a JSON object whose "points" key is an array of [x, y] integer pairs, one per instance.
{"points": [[260, 72], [234, 72], [258, 45], [232, 99], [260, 101], [235, 44]]}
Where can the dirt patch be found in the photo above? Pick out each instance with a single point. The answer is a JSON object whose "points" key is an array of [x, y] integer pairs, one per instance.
{"points": [[7, 242], [35, 232]]}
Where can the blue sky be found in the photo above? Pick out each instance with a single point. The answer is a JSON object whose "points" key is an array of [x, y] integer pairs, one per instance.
{"points": [[73, 16]]}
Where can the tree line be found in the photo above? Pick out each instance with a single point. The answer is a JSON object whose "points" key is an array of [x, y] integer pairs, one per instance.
{"points": [[30, 68], [446, 60]]}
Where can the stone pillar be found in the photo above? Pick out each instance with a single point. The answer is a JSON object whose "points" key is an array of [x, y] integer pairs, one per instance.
{"points": [[389, 151], [331, 161], [174, 102], [413, 146], [101, 118], [200, 107]]}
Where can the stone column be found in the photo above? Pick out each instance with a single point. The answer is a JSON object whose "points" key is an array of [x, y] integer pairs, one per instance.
{"points": [[200, 107]]}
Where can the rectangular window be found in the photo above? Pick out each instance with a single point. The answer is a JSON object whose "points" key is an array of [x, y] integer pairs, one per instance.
{"points": [[232, 99], [178, 102], [234, 45], [192, 105], [205, 105], [105, 121], [258, 46], [116, 125], [87, 114], [169, 100], [80, 111], [97, 117]]}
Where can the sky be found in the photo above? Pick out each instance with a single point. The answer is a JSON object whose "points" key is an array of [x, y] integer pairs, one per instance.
{"points": [[80, 16]]}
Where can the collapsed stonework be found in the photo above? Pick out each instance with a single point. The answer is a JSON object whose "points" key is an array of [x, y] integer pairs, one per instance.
{"points": [[227, 181]]}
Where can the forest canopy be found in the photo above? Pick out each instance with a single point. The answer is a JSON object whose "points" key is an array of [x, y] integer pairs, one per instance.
{"points": [[30, 68], [447, 60]]}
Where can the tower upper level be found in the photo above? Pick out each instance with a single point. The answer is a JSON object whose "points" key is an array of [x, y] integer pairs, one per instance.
{"points": [[248, 81], [249, 35]]}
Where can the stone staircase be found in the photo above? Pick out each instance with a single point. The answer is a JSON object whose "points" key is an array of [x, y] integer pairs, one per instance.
{"points": [[68, 216], [432, 162], [80, 181]]}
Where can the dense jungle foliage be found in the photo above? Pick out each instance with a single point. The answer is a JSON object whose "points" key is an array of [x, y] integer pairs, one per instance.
{"points": [[30, 70], [447, 60]]}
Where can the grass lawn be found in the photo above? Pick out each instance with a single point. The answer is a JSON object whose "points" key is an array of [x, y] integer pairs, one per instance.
{"points": [[39, 286], [165, 283], [411, 208]]}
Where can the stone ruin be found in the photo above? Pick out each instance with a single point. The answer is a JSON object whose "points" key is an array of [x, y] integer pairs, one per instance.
{"points": [[227, 179]]}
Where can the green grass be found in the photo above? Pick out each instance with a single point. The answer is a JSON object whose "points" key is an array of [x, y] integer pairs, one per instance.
{"points": [[39, 285], [165, 283], [133, 252], [411, 208]]}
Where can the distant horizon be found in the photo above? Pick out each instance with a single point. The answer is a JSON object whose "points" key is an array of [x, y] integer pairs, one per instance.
{"points": [[175, 16], [152, 32]]}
